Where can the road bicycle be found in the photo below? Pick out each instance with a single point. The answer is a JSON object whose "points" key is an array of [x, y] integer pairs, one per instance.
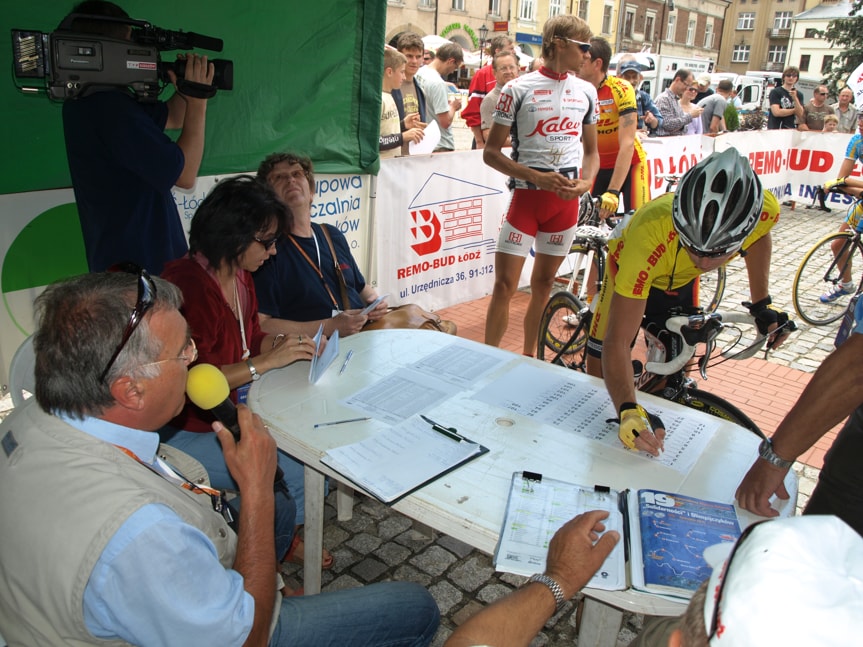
{"points": [[585, 268], [667, 377], [821, 271]]}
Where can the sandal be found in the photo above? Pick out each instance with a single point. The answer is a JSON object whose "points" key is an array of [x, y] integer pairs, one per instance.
{"points": [[296, 553]]}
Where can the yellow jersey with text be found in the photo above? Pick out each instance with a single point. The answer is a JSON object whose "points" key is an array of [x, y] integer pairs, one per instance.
{"points": [[615, 97]]}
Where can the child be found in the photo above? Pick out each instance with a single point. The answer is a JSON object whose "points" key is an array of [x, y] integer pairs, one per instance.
{"points": [[391, 136], [831, 123]]}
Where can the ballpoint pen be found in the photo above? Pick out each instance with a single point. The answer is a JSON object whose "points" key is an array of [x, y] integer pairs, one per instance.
{"points": [[449, 432], [347, 359], [339, 422]]}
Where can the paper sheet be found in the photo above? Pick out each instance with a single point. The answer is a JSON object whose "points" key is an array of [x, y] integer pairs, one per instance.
{"points": [[397, 460], [431, 138], [582, 408], [401, 395], [458, 364], [321, 363]]}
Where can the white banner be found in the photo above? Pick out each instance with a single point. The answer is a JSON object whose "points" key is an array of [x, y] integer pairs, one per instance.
{"points": [[436, 223]]}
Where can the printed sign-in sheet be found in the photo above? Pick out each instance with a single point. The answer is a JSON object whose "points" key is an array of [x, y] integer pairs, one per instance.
{"points": [[537, 509], [574, 405]]}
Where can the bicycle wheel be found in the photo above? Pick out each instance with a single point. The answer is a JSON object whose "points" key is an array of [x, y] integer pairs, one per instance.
{"points": [[563, 331], [585, 276], [716, 406], [711, 288], [819, 273]]}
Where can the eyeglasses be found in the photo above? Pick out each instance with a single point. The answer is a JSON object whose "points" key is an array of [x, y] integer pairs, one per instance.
{"points": [[718, 254], [267, 242], [714, 622], [821, 93], [791, 76], [692, 88], [187, 357], [146, 299], [584, 47]]}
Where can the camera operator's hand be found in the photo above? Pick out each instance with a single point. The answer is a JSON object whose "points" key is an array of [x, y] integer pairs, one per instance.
{"points": [[198, 70]]}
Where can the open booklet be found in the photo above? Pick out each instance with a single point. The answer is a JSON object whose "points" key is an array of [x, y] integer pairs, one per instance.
{"points": [[664, 534], [400, 459]]}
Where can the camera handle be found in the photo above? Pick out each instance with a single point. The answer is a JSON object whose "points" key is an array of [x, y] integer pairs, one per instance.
{"points": [[196, 90]]}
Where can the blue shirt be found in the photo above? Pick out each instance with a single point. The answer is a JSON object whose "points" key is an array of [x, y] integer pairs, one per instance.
{"points": [[159, 580]]}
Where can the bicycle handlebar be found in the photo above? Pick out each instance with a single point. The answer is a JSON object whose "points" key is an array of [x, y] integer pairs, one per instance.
{"points": [[696, 327]]}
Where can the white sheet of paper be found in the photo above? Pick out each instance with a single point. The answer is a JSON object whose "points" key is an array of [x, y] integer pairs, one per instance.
{"points": [[583, 409], [401, 395], [373, 304], [398, 459], [458, 364], [321, 363], [431, 137]]}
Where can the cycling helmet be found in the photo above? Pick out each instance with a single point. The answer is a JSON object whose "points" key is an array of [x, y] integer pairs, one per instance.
{"points": [[717, 204]]}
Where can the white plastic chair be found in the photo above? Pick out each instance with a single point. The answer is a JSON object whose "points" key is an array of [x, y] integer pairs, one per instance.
{"points": [[22, 376]]}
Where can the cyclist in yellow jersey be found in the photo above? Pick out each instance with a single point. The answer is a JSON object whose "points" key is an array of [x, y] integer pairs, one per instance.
{"points": [[624, 175], [718, 212]]}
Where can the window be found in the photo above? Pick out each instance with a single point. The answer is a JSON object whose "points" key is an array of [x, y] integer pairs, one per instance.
{"points": [[553, 8], [494, 7], [628, 21], [782, 20], [740, 54], [648, 26], [606, 18], [582, 9], [804, 62], [811, 33], [458, 5], [426, 3], [746, 20], [527, 10], [690, 32], [826, 64], [776, 53], [708, 36], [669, 29]]}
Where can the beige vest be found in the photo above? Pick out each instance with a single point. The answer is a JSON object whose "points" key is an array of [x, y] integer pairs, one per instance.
{"points": [[63, 495]]}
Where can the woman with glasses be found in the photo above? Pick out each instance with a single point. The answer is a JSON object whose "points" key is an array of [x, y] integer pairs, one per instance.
{"points": [[233, 233], [687, 102]]}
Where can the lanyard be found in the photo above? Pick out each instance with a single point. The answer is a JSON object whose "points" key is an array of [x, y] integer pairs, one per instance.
{"points": [[246, 352], [171, 475], [316, 267]]}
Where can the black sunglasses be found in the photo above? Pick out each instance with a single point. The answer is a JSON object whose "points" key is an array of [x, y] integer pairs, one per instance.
{"points": [[267, 242], [714, 622], [717, 254], [146, 299]]}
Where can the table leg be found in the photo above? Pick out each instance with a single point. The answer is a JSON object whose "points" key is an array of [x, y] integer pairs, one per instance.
{"points": [[600, 624], [314, 532], [344, 501]]}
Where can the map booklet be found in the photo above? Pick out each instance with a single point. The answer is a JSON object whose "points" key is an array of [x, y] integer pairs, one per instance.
{"points": [[664, 534]]}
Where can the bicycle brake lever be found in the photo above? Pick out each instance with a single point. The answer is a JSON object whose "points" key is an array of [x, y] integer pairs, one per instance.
{"points": [[702, 363]]}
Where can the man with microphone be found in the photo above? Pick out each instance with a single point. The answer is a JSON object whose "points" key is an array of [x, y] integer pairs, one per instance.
{"points": [[106, 540]]}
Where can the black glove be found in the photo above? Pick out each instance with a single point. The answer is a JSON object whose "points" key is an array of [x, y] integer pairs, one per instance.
{"points": [[635, 420], [766, 315]]}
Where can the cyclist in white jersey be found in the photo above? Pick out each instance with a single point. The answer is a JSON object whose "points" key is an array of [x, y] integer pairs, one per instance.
{"points": [[551, 116]]}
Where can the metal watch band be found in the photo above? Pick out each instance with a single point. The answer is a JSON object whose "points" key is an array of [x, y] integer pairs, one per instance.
{"points": [[765, 451], [255, 374], [556, 591]]}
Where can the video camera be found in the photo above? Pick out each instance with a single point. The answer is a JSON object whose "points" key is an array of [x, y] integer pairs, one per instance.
{"points": [[74, 63]]}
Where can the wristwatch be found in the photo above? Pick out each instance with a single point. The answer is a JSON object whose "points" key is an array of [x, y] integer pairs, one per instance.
{"points": [[765, 451], [556, 591], [255, 374]]}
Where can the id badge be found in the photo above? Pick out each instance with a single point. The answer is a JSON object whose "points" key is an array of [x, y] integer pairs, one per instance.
{"points": [[243, 393], [335, 312]]}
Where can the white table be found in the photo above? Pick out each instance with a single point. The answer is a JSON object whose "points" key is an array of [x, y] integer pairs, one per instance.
{"points": [[469, 503]]}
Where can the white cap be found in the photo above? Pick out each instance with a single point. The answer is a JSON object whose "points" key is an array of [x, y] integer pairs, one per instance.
{"points": [[796, 581], [704, 79]]}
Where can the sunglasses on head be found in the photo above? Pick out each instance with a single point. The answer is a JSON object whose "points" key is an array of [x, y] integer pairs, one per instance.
{"points": [[146, 299]]}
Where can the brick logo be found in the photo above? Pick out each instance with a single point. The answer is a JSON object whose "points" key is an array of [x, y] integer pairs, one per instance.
{"points": [[426, 231]]}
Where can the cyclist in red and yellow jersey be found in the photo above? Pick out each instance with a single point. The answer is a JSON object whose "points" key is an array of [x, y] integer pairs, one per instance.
{"points": [[623, 170], [718, 212]]}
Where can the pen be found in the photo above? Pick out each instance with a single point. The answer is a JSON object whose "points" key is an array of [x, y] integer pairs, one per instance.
{"points": [[449, 432], [347, 359], [339, 422]]}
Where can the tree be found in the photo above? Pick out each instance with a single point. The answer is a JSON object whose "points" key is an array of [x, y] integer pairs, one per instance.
{"points": [[846, 38]]}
